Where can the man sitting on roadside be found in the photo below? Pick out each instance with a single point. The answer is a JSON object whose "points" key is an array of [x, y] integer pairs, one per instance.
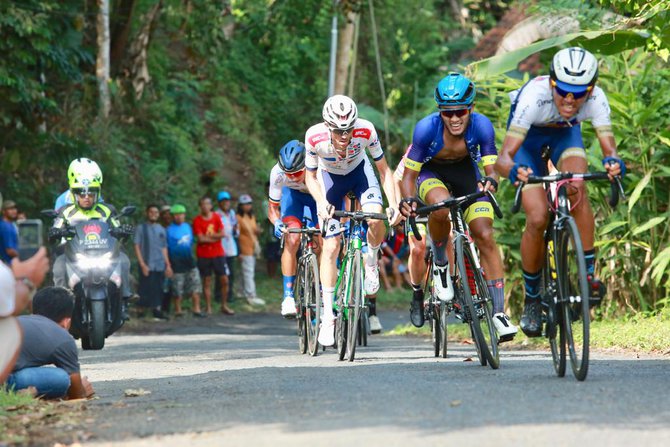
{"points": [[46, 341]]}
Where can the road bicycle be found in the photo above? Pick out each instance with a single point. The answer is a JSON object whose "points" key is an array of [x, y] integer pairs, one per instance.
{"points": [[566, 297], [350, 305], [472, 302], [307, 291]]}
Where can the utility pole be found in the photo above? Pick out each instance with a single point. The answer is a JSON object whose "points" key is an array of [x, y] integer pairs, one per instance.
{"points": [[333, 50]]}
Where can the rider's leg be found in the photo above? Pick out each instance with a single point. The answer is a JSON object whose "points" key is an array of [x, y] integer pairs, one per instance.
{"points": [[60, 272], [582, 212], [532, 257], [431, 191]]}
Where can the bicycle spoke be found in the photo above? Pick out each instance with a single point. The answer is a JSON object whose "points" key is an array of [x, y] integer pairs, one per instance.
{"points": [[355, 305], [553, 330]]}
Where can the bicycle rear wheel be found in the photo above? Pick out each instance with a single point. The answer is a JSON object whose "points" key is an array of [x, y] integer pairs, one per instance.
{"points": [[299, 295], [478, 305], [573, 289], [312, 300], [435, 326], [553, 329], [355, 305]]}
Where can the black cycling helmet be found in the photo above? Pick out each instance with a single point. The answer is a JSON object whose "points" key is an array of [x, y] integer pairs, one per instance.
{"points": [[292, 156]]}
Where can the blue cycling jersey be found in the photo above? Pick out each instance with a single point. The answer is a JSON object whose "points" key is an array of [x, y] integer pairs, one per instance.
{"points": [[428, 142]]}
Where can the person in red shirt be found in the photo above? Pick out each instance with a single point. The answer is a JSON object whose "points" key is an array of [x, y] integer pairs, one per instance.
{"points": [[208, 230]]}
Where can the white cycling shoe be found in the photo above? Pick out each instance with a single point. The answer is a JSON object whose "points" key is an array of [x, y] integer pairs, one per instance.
{"points": [[444, 289], [371, 279], [375, 324], [506, 330], [327, 332], [288, 307]]}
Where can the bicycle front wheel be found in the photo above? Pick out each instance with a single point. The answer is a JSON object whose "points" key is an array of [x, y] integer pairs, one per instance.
{"points": [[479, 305], [553, 327], [573, 290], [312, 300], [355, 305], [443, 327], [299, 295]]}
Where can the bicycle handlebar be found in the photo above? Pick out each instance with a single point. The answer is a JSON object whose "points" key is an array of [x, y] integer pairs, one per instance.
{"points": [[451, 203], [616, 188], [360, 215]]}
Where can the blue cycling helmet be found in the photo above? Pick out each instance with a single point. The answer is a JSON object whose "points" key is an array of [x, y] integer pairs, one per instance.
{"points": [[292, 156], [454, 90]]}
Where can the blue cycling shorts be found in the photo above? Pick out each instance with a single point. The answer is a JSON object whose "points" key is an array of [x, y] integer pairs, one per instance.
{"points": [[296, 205], [563, 141]]}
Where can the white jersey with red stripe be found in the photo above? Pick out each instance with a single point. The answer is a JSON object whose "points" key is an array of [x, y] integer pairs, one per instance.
{"points": [[321, 153], [279, 179]]}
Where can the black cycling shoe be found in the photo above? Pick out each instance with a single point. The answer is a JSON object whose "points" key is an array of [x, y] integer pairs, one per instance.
{"points": [[416, 314], [531, 320], [598, 291]]}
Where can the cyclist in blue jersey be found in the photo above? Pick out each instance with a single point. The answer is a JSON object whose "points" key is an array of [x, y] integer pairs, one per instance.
{"points": [[446, 148], [288, 198], [548, 110]]}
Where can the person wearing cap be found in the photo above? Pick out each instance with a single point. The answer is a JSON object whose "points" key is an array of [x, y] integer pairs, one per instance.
{"points": [[231, 232], [249, 232], [186, 278], [165, 217], [9, 236], [548, 111]]}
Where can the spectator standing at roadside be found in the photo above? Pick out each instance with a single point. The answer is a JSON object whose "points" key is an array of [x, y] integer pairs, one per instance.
{"points": [[186, 278], [9, 236], [208, 230], [152, 256], [249, 232], [231, 231], [165, 218], [46, 341]]}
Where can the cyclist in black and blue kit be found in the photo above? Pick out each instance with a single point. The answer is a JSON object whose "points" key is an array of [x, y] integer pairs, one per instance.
{"points": [[443, 160]]}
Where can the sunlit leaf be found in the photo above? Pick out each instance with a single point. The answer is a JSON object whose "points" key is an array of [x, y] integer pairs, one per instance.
{"points": [[612, 226], [635, 196], [650, 224]]}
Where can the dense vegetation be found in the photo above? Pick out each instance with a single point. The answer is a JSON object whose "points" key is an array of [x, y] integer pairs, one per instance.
{"points": [[231, 81]]}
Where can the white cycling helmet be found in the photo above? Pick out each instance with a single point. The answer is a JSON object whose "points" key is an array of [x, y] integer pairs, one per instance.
{"points": [[340, 112], [574, 70]]}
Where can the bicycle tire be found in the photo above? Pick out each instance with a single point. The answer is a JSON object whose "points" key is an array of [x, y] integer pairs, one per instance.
{"points": [[299, 295], [574, 295], [355, 305], [312, 304], [553, 329], [341, 330], [486, 341], [435, 329], [442, 308]]}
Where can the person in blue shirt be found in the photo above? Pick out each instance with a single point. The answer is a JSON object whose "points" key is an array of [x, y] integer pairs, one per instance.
{"points": [[9, 237], [443, 160], [186, 278]]}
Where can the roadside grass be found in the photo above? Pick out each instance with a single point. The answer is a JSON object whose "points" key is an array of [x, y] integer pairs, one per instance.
{"points": [[648, 333], [25, 420]]}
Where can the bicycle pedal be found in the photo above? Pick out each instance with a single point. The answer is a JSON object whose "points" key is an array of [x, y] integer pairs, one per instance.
{"points": [[505, 338]]}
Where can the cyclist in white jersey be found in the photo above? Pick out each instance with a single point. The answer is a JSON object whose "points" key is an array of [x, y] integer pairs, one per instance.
{"points": [[337, 164], [288, 191], [548, 110]]}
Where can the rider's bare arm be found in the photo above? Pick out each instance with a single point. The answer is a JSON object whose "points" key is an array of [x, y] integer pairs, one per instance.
{"points": [[505, 161], [273, 212]]}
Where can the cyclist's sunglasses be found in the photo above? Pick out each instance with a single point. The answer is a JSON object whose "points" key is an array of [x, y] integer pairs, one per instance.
{"points": [[295, 174], [89, 193], [564, 94], [341, 132], [454, 112]]}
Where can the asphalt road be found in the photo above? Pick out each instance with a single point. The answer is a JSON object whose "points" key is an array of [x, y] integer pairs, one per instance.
{"points": [[240, 381]]}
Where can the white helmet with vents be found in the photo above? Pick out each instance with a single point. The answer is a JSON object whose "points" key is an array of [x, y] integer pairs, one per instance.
{"points": [[574, 69], [340, 112]]}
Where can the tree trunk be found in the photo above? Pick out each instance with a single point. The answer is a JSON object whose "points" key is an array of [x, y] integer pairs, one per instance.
{"points": [[139, 71], [344, 45], [120, 27], [102, 62]]}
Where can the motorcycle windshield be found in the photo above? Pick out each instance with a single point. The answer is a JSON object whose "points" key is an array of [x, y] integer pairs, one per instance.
{"points": [[92, 237]]}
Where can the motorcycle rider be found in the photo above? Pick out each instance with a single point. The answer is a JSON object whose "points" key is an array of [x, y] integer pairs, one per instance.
{"points": [[85, 180]]}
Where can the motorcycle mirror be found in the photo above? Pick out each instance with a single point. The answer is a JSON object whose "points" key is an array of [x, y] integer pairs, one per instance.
{"points": [[128, 210], [49, 213]]}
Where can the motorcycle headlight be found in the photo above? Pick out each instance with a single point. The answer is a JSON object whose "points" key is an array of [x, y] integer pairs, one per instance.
{"points": [[89, 262]]}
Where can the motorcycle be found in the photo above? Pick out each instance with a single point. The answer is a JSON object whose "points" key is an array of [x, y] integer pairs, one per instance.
{"points": [[92, 260]]}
